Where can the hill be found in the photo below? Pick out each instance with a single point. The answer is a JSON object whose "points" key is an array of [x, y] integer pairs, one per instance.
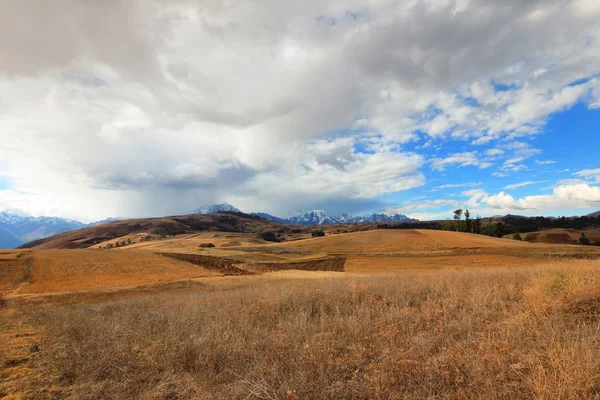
{"points": [[559, 236], [156, 228], [594, 214]]}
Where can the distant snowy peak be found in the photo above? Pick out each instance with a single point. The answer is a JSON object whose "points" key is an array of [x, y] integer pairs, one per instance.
{"points": [[314, 217], [319, 217], [7, 218], [215, 208], [385, 218], [28, 228], [105, 221]]}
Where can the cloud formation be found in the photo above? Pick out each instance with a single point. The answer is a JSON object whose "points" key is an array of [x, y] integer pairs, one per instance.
{"points": [[150, 107]]}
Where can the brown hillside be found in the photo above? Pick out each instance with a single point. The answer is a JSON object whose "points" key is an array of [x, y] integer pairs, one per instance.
{"points": [[156, 228], [559, 235]]}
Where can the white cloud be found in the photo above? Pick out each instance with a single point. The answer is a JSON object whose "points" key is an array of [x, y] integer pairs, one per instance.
{"points": [[567, 196], [494, 153], [591, 174], [150, 107], [459, 159], [456, 185], [522, 184]]}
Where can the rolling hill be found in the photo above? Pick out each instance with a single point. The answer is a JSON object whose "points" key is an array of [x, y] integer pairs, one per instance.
{"points": [[156, 228]]}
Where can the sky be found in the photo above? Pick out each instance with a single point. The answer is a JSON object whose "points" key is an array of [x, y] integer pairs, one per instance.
{"points": [[137, 108]]}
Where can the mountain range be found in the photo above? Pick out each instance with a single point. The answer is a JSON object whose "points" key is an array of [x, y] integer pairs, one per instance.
{"points": [[313, 217], [18, 229]]}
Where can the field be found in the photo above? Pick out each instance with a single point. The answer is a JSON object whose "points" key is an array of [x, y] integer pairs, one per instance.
{"points": [[560, 236], [380, 314]]}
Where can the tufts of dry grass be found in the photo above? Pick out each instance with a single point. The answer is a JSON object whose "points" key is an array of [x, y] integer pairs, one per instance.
{"points": [[518, 334]]}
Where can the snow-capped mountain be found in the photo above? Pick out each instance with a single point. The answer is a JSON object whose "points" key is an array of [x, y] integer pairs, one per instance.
{"points": [[319, 217], [104, 221], [314, 217], [383, 218], [215, 208], [16, 229], [27, 228]]}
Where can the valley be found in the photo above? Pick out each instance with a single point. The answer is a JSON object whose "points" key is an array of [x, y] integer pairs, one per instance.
{"points": [[258, 293]]}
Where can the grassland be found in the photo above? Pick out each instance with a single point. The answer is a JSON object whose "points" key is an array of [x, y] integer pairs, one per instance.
{"points": [[414, 314], [560, 236]]}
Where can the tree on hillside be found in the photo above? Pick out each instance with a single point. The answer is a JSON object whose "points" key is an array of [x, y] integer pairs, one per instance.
{"points": [[468, 222], [448, 225], [498, 229], [584, 240], [477, 225], [457, 219]]}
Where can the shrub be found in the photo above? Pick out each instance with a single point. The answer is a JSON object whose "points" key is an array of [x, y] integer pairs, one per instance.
{"points": [[318, 233], [584, 240], [272, 237], [517, 236]]}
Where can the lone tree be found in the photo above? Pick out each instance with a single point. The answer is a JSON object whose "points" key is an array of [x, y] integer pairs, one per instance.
{"points": [[584, 240], [457, 219]]}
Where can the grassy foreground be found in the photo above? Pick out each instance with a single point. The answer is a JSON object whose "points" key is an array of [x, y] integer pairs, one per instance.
{"points": [[518, 334]]}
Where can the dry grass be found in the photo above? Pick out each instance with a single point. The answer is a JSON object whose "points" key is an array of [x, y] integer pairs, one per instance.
{"points": [[48, 271], [560, 235], [488, 334], [371, 242], [387, 265]]}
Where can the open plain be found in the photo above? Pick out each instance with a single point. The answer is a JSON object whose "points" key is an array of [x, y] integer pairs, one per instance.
{"points": [[373, 314]]}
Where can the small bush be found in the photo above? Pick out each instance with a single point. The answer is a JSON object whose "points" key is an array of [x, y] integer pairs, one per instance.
{"points": [[517, 236], [272, 237], [584, 240]]}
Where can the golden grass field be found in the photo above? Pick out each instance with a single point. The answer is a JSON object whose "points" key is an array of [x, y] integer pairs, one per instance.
{"points": [[414, 314], [560, 235]]}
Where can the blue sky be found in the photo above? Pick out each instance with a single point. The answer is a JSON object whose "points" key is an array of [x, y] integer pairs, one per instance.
{"points": [[416, 107], [567, 144]]}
